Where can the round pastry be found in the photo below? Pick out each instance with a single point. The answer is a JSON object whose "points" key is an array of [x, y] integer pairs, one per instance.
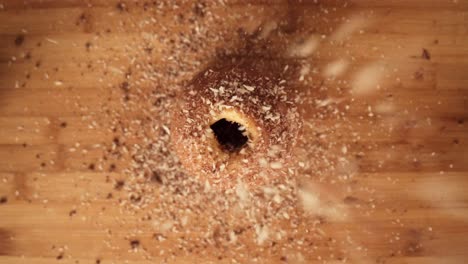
{"points": [[237, 122]]}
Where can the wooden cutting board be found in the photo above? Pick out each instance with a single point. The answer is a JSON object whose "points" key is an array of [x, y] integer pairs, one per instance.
{"points": [[53, 202]]}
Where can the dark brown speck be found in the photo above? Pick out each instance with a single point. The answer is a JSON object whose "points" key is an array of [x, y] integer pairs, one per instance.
{"points": [[134, 243], [19, 40], [426, 55]]}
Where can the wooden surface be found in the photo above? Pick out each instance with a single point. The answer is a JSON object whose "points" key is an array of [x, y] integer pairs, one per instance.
{"points": [[54, 85]]}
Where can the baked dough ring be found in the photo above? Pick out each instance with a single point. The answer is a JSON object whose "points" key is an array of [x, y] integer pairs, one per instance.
{"points": [[237, 121]]}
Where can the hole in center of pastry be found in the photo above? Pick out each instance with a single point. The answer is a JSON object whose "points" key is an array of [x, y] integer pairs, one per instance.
{"points": [[230, 135]]}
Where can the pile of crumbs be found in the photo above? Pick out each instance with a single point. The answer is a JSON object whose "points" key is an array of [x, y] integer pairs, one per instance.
{"points": [[178, 215]]}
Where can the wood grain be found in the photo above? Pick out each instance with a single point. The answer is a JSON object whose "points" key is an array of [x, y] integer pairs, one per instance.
{"points": [[56, 82]]}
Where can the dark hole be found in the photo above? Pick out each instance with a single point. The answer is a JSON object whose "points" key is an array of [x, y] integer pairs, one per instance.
{"points": [[228, 135]]}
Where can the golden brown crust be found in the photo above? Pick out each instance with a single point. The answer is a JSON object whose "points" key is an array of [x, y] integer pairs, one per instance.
{"points": [[253, 93]]}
